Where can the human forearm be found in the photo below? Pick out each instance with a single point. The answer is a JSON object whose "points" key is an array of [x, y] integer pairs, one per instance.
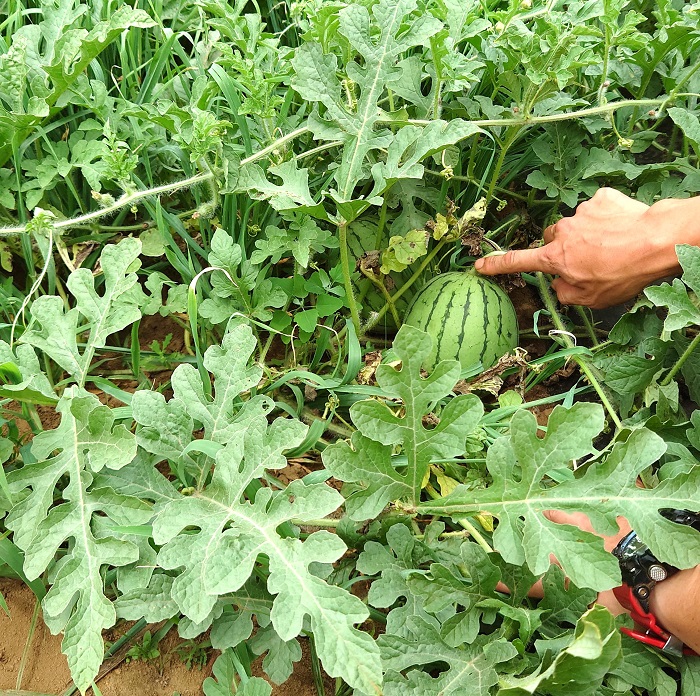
{"points": [[675, 603], [670, 222]]}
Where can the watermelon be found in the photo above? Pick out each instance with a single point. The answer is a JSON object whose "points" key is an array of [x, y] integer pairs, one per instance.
{"points": [[470, 318]]}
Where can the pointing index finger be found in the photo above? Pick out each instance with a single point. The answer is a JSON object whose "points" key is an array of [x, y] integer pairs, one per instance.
{"points": [[522, 260]]}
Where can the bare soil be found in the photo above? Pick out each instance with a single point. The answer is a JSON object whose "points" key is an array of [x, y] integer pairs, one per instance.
{"points": [[46, 671]]}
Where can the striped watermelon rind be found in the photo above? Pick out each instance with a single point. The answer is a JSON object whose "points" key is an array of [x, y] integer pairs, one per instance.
{"points": [[470, 319]]}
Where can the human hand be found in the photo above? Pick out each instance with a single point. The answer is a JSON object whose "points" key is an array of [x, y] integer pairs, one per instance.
{"points": [[608, 252], [578, 519]]}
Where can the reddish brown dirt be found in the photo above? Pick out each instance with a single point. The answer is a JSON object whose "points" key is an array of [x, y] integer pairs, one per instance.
{"points": [[527, 302], [540, 412], [46, 671], [157, 328]]}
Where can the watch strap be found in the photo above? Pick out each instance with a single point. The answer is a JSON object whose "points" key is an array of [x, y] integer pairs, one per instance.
{"points": [[654, 634]]}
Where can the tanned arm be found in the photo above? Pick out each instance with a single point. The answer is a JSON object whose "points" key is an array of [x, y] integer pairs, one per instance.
{"points": [[675, 603]]}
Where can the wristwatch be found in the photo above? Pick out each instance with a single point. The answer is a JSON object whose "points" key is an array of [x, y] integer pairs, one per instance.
{"points": [[641, 570]]}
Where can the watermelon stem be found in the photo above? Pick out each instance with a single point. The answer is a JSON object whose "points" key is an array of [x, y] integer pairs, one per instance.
{"points": [[463, 522], [347, 276], [379, 238], [588, 325], [588, 370], [505, 146], [379, 283], [376, 317], [679, 364]]}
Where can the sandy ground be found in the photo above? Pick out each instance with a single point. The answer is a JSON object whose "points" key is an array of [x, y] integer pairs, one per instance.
{"points": [[46, 671]]}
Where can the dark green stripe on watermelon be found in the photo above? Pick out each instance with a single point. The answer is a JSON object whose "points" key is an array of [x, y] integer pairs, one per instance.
{"points": [[437, 344], [465, 316], [469, 318]]}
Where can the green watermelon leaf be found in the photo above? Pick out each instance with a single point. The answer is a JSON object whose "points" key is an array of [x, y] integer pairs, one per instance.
{"points": [[242, 287], [521, 492], [57, 48], [165, 428], [280, 655], [682, 309], [85, 442], [22, 378], [471, 668], [235, 528], [391, 564], [301, 235], [54, 330], [223, 681], [378, 38], [292, 194], [580, 667], [366, 460]]}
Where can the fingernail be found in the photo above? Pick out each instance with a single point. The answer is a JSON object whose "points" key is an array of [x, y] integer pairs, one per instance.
{"points": [[479, 264]]}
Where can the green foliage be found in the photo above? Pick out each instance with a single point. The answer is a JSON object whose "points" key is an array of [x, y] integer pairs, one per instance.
{"points": [[223, 682], [681, 308], [86, 441], [193, 199], [146, 651], [45, 59], [582, 665], [55, 331], [519, 495], [367, 459]]}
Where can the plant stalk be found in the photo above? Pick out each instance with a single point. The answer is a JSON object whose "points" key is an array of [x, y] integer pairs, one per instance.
{"points": [[28, 643], [323, 524], [136, 196], [377, 282], [347, 276], [510, 139], [681, 361], [551, 118], [587, 369], [375, 318], [590, 329], [464, 523], [316, 668]]}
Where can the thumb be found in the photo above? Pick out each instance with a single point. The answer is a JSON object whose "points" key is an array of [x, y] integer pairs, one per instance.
{"points": [[516, 262]]}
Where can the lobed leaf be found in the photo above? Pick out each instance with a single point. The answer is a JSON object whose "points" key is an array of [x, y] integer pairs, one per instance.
{"points": [[580, 667], [369, 464], [380, 36], [235, 528], [223, 681], [471, 670], [85, 441], [520, 494], [54, 331], [393, 563], [682, 308], [55, 53]]}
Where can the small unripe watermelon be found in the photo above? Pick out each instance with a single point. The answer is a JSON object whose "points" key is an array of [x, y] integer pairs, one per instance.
{"points": [[470, 319]]}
